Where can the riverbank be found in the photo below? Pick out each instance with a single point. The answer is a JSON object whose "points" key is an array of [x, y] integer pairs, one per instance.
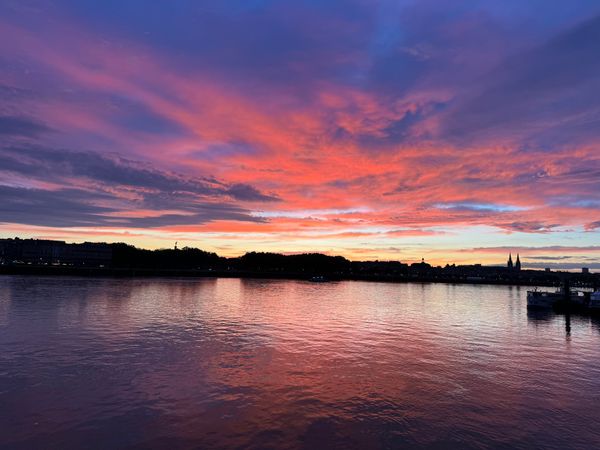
{"points": [[113, 272]]}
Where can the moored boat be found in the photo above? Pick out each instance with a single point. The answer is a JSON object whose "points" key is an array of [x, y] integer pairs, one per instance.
{"points": [[594, 305], [542, 299]]}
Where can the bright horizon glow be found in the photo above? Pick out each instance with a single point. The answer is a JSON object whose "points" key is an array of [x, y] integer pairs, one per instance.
{"points": [[393, 131]]}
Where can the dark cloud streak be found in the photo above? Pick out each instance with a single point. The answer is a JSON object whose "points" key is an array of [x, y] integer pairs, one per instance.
{"points": [[112, 170], [16, 126], [82, 208], [99, 190]]}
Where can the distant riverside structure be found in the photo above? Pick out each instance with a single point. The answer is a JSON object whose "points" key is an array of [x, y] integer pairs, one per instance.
{"points": [[40, 251], [516, 265]]}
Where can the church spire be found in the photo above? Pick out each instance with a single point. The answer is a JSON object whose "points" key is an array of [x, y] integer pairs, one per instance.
{"points": [[518, 263], [509, 264]]}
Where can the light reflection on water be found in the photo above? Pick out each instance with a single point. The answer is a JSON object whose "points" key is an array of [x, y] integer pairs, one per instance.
{"points": [[228, 363]]}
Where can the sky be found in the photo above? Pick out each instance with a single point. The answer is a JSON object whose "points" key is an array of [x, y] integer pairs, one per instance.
{"points": [[455, 131]]}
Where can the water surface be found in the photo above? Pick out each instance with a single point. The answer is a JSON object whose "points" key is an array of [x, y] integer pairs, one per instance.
{"points": [[228, 363]]}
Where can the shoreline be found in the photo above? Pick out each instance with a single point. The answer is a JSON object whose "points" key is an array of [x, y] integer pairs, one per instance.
{"points": [[109, 272]]}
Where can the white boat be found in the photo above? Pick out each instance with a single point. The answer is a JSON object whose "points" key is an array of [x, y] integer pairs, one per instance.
{"points": [[594, 304], [579, 299], [318, 279], [542, 299]]}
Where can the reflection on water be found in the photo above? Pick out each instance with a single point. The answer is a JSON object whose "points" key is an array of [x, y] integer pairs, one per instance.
{"points": [[226, 363], [550, 316], [540, 315]]}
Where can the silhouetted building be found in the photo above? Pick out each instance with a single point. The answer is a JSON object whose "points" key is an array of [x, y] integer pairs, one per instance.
{"points": [[518, 263], [585, 270], [509, 264], [40, 251]]}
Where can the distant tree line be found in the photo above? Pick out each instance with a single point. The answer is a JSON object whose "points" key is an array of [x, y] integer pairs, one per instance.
{"points": [[128, 256], [309, 262]]}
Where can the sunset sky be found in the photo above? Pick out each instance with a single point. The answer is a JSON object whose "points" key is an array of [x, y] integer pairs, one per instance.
{"points": [[457, 131]]}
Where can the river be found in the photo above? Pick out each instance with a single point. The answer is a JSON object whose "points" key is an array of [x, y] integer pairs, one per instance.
{"points": [[231, 363]]}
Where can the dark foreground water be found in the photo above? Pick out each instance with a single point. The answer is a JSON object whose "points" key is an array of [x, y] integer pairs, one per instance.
{"points": [[227, 363]]}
